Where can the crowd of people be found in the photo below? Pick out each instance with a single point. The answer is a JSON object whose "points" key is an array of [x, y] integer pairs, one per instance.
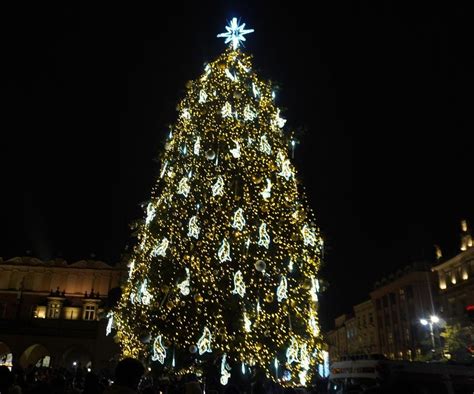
{"points": [[130, 377]]}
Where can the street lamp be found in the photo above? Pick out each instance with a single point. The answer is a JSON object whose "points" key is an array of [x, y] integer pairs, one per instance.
{"points": [[432, 320]]}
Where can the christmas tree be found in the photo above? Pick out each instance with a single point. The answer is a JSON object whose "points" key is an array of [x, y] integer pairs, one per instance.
{"points": [[227, 256]]}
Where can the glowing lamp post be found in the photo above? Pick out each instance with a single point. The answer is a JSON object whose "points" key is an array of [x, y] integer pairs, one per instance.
{"points": [[429, 322]]}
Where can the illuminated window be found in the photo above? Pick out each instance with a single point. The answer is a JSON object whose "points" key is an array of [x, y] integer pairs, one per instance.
{"points": [[89, 312], [54, 310]]}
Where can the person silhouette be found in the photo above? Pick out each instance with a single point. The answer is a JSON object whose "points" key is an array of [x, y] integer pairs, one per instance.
{"points": [[128, 373]]}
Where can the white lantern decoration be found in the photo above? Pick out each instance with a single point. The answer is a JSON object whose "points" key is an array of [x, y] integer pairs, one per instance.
{"points": [[247, 323], [225, 374], [159, 352], [267, 191], [226, 110], [236, 151], [264, 236], [183, 186], [160, 249], [239, 220], [202, 96], [292, 351], [224, 251], [309, 238], [185, 114], [249, 113], [193, 228], [197, 146], [218, 187], [110, 321], [239, 284], [150, 213], [184, 285], [204, 343], [282, 289], [264, 145]]}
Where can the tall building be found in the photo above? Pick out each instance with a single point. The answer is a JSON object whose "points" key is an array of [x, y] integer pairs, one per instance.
{"points": [[456, 281], [354, 334], [50, 312], [400, 302]]}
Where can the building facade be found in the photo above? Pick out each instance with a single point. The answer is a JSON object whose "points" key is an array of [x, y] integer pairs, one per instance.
{"points": [[354, 334], [400, 302], [51, 312], [456, 286]]}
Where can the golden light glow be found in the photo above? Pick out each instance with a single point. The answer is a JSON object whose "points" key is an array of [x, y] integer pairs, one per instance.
{"points": [[218, 222]]}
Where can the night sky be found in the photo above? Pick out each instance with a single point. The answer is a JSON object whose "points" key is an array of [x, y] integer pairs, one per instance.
{"points": [[382, 94]]}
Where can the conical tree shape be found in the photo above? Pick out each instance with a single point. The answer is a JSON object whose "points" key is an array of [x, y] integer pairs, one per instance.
{"points": [[228, 254]]}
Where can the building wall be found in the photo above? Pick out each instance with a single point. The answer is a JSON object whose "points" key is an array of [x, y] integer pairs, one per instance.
{"points": [[456, 286], [55, 308], [399, 306]]}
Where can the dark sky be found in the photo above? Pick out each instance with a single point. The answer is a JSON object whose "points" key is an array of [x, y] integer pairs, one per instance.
{"points": [[384, 94]]}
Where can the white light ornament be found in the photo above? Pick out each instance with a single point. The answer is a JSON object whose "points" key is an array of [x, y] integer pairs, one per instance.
{"points": [[225, 374], [226, 110], [110, 321], [150, 213], [249, 113], [207, 71], [160, 249], [131, 267], [218, 187], [236, 151], [159, 352], [309, 237], [184, 285], [264, 236], [224, 251], [264, 145], [255, 90], [247, 323], [267, 192], [278, 121], [282, 289], [193, 228], [239, 284], [231, 76], [292, 351], [143, 294], [304, 362], [290, 266], [183, 186], [204, 343], [163, 170], [202, 96], [285, 166], [235, 33], [186, 114], [197, 146], [239, 220], [313, 324], [314, 289]]}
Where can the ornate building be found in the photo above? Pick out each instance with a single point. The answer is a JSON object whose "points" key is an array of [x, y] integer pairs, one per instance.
{"points": [[354, 334], [456, 282], [51, 312]]}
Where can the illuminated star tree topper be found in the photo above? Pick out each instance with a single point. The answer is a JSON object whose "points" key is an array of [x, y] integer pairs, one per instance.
{"points": [[235, 33]]}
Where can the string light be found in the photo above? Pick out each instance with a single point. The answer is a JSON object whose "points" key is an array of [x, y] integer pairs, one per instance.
{"points": [[110, 321], [226, 119]]}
